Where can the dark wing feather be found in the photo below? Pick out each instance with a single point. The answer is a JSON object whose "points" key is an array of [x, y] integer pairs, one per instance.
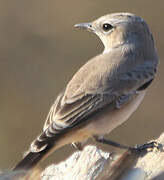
{"points": [[65, 122]]}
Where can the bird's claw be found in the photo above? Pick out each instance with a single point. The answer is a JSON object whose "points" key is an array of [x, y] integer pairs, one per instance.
{"points": [[147, 147]]}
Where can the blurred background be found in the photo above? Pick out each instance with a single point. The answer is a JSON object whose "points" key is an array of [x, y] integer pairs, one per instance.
{"points": [[37, 41]]}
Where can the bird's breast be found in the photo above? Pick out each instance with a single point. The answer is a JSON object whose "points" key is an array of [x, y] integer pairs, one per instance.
{"points": [[108, 119]]}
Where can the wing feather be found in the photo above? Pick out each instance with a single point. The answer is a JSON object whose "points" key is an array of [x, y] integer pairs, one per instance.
{"points": [[67, 113]]}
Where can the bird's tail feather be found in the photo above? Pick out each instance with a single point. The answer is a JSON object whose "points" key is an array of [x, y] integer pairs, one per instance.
{"points": [[31, 160]]}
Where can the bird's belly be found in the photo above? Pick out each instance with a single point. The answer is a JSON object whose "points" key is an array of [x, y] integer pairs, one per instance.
{"points": [[110, 119]]}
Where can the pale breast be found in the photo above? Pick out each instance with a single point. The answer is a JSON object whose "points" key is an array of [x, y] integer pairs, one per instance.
{"points": [[110, 119]]}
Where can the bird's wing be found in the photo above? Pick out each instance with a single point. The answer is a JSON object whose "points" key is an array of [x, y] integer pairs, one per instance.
{"points": [[70, 111]]}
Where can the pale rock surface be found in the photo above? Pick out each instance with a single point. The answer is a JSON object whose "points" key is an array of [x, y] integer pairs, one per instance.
{"points": [[94, 164]]}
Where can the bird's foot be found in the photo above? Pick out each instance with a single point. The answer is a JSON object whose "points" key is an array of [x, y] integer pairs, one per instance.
{"points": [[147, 147], [77, 146]]}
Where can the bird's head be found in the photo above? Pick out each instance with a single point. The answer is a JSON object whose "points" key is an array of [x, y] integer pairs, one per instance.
{"points": [[118, 29]]}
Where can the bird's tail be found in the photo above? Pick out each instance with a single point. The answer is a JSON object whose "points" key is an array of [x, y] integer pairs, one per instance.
{"points": [[31, 160]]}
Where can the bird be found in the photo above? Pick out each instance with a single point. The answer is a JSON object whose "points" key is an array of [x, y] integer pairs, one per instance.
{"points": [[104, 92]]}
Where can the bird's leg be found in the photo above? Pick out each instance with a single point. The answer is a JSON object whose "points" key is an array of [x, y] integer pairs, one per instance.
{"points": [[137, 148], [111, 143]]}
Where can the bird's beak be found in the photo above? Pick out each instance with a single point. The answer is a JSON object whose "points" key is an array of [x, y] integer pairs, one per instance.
{"points": [[85, 26]]}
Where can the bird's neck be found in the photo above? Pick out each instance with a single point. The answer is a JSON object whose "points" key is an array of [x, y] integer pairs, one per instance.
{"points": [[122, 46]]}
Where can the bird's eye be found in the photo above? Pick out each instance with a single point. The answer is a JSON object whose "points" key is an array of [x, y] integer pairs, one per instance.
{"points": [[107, 27]]}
